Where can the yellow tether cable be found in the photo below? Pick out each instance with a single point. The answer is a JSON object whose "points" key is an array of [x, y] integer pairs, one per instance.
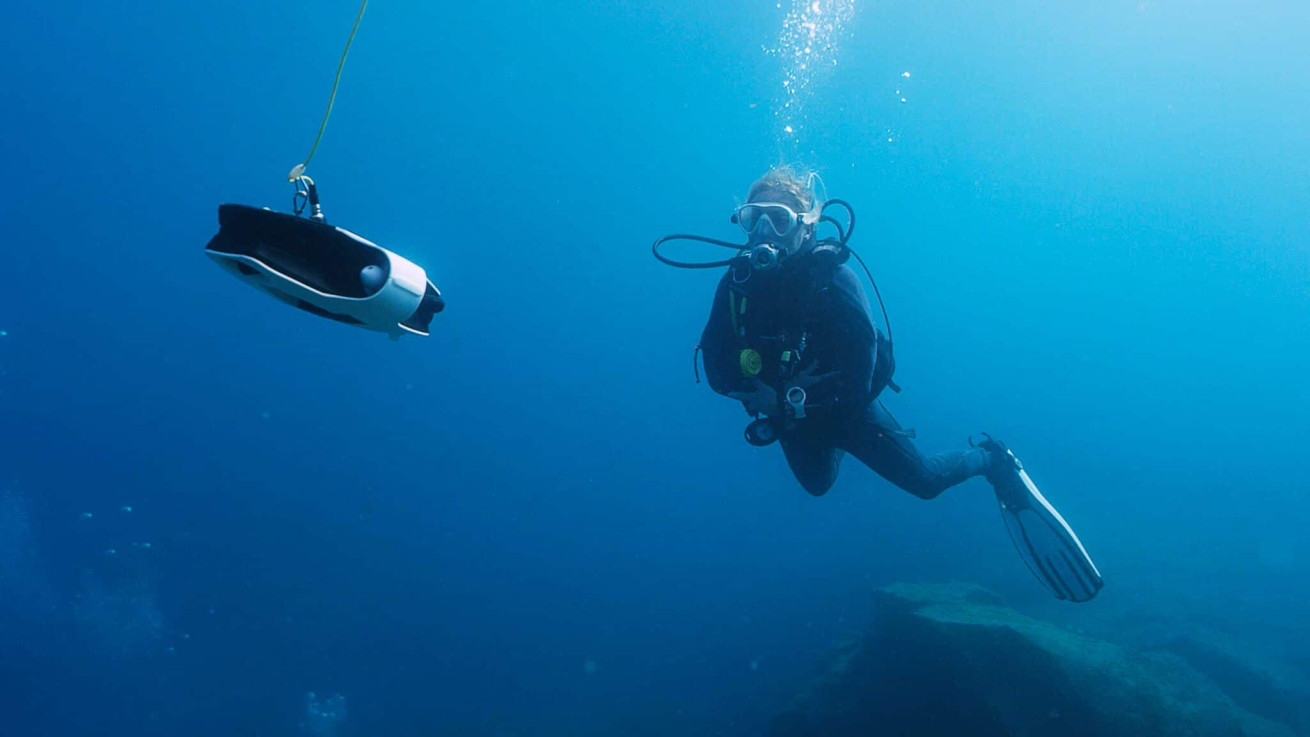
{"points": [[299, 169]]}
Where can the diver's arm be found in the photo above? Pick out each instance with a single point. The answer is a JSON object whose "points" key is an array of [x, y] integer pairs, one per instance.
{"points": [[718, 346], [845, 342]]}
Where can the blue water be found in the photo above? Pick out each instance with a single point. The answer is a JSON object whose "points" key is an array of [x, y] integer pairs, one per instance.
{"points": [[1088, 224]]}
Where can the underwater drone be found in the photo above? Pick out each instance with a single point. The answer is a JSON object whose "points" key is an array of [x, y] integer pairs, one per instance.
{"points": [[324, 270]]}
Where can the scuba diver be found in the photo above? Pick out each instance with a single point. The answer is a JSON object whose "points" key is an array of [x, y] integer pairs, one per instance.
{"points": [[790, 335]]}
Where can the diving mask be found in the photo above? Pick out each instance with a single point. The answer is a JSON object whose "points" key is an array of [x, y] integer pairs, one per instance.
{"points": [[769, 219], [776, 231]]}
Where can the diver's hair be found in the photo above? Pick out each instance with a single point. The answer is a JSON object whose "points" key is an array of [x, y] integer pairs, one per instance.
{"points": [[792, 180]]}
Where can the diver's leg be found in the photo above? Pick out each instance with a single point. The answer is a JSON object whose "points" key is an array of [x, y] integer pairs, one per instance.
{"points": [[876, 439], [813, 460]]}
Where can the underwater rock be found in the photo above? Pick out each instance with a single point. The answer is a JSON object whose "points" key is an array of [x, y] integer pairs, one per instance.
{"points": [[952, 660], [1259, 684]]}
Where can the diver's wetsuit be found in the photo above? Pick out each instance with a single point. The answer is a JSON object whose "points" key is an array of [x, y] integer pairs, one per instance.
{"points": [[817, 309]]}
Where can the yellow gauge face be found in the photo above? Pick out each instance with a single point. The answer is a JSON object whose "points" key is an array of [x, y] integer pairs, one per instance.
{"points": [[751, 363]]}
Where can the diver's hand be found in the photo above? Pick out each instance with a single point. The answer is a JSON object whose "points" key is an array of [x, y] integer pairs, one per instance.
{"points": [[761, 399], [807, 378]]}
